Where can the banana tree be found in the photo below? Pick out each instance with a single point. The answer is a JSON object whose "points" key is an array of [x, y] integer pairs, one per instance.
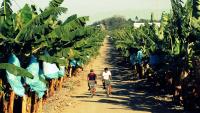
{"points": [[29, 32], [179, 29], [89, 47], [26, 23]]}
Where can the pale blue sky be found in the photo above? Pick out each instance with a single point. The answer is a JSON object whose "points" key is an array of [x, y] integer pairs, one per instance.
{"points": [[99, 9]]}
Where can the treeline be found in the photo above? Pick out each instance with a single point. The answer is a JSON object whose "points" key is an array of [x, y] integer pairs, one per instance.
{"points": [[117, 22]]}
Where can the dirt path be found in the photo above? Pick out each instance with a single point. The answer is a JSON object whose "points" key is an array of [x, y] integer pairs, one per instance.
{"points": [[127, 97]]}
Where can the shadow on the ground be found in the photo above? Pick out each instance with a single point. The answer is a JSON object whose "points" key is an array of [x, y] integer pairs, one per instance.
{"points": [[136, 95], [80, 96]]}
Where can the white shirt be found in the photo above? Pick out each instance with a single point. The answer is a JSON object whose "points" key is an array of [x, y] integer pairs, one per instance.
{"points": [[106, 75]]}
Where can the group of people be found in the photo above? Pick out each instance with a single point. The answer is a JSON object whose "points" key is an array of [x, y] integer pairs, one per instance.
{"points": [[106, 81]]}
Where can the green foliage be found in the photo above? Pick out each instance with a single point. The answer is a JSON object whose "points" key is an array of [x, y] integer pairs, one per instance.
{"points": [[177, 36], [68, 31], [1, 88], [73, 17], [88, 47], [15, 70], [146, 37], [5, 9], [27, 31], [55, 3], [115, 22], [23, 16], [51, 59], [196, 8], [4, 39]]}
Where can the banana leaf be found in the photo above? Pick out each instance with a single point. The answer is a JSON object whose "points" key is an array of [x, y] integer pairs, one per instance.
{"points": [[65, 33], [4, 40], [24, 16], [15, 70], [52, 59], [26, 33], [72, 17], [43, 80], [1, 88], [55, 3], [7, 8]]}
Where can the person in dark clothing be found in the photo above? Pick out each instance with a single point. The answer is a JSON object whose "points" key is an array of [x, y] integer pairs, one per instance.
{"points": [[91, 79]]}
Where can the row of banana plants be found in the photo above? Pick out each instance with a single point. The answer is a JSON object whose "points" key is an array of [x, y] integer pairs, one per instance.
{"points": [[36, 48], [171, 50]]}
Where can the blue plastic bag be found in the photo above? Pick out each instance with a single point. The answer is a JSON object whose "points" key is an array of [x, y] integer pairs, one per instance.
{"points": [[13, 80], [153, 59], [41, 74], [62, 71], [50, 70], [73, 62], [35, 84], [79, 63], [133, 59], [139, 57]]}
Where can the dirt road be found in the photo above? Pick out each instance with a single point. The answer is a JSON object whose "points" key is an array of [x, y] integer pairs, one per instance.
{"points": [[128, 96]]}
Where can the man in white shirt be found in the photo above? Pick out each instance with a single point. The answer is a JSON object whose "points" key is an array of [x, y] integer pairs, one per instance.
{"points": [[107, 77]]}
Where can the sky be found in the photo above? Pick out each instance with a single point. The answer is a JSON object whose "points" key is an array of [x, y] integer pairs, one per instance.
{"points": [[100, 9]]}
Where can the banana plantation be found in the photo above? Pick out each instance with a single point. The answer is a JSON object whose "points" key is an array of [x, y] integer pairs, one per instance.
{"points": [[36, 49], [39, 53], [170, 52]]}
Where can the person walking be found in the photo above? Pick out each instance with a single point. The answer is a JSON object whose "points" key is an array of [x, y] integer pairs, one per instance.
{"points": [[92, 82], [106, 78], [139, 63]]}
